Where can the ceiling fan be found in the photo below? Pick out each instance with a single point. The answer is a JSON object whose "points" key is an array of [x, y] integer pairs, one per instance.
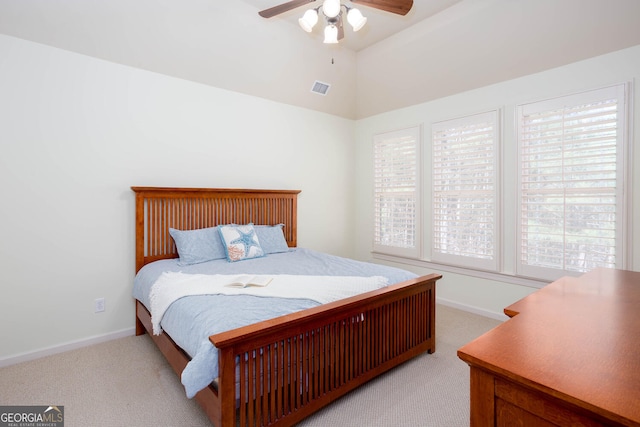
{"points": [[332, 10]]}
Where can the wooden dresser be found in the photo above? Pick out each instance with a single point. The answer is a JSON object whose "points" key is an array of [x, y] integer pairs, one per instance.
{"points": [[569, 356]]}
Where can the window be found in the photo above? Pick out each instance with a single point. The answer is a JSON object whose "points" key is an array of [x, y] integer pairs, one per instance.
{"points": [[544, 198], [396, 192], [572, 152], [465, 191]]}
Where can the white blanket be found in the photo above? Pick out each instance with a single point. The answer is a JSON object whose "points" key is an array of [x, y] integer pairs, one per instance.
{"points": [[172, 286]]}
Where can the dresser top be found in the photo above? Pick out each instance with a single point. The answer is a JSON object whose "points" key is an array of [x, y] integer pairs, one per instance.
{"points": [[577, 339]]}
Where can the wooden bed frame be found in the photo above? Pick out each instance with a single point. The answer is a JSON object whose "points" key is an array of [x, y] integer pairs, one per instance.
{"points": [[326, 351]]}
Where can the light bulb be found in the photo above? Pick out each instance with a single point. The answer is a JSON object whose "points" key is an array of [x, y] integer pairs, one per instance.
{"points": [[308, 20], [356, 19], [331, 34], [331, 8]]}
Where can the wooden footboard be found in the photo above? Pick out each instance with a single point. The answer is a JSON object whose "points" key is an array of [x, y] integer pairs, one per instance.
{"points": [[292, 366], [279, 371]]}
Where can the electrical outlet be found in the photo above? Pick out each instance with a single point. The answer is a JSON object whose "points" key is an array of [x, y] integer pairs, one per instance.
{"points": [[99, 305]]}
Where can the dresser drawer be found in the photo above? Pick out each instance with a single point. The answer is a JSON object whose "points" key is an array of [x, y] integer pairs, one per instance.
{"points": [[520, 406]]}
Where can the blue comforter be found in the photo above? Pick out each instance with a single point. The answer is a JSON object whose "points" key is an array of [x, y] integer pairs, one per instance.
{"points": [[191, 320]]}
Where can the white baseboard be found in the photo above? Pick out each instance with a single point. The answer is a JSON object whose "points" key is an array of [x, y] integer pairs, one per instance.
{"points": [[25, 357], [472, 309]]}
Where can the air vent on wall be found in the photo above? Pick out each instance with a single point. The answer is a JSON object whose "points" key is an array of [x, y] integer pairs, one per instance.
{"points": [[320, 88]]}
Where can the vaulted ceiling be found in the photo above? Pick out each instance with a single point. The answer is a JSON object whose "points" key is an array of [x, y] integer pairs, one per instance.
{"points": [[441, 47]]}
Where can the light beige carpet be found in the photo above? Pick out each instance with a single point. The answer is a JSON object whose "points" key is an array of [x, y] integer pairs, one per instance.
{"points": [[127, 382]]}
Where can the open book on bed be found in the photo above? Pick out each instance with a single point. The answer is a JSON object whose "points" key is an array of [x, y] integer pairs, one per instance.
{"points": [[247, 281]]}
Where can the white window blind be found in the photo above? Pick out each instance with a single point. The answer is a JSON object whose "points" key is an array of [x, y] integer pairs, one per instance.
{"points": [[396, 195], [571, 177], [465, 191]]}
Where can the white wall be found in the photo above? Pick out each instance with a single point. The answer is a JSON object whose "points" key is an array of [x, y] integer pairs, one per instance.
{"points": [[222, 44], [490, 296], [76, 132], [476, 43]]}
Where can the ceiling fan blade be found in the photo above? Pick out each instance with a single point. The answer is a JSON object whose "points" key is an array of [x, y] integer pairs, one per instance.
{"points": [[284, 7], [340, 29], [400, 7]]}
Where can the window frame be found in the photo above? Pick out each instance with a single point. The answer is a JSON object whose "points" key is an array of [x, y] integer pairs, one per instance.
{"points": [[621, 191], [458, 127], [414, 252]]}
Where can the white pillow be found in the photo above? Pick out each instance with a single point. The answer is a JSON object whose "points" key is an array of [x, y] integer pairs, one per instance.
{"points": [[272, 238], [195, 246]]}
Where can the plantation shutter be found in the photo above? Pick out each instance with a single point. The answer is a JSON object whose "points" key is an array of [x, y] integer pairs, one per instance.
{"points": [[396, 200], [465, 191], [571, 176]]}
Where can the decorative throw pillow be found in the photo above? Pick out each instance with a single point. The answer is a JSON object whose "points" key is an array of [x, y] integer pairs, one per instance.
{"points": [[196, 246], [240, 242], [272, 238]]}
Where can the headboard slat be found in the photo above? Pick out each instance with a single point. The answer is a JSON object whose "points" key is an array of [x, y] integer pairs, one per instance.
{"points": [[161, 208]]}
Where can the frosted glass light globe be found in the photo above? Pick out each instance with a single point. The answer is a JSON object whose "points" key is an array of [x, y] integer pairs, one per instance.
{"points": [[331, 8]]}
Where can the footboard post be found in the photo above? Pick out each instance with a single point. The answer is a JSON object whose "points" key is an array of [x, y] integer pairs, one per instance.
{"points": [[227, 389], [431, 319]]}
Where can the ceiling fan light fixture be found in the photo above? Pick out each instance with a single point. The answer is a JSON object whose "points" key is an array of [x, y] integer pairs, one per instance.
{"points": [[355, 18], [331, 8], [309, 20], [331, 34], [334, 15]]}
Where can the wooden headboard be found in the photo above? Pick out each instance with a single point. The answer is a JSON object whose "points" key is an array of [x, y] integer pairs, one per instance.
{"points": [[161, 208]]}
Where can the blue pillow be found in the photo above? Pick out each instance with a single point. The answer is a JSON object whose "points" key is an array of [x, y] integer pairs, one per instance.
{"points": [[272, 238], [240, 242], [196, 246]]}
